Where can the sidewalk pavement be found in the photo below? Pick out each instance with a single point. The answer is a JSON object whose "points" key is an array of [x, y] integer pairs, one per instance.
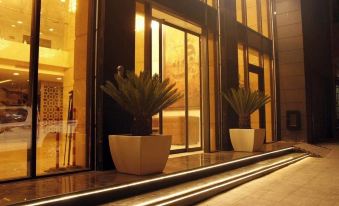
{"points": [[310, 182]]}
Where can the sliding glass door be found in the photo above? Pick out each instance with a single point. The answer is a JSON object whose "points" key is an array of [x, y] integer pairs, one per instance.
{"points": [[176, 55]]}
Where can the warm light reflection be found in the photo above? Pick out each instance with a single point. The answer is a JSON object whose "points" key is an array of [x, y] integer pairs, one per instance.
{"points": [[72, 6], [139, 23], [4, 81], [155, 25]]}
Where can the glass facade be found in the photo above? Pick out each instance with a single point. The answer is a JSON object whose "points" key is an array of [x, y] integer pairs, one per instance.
{"points": [[15, 98], [62, 87], [252, 14], [239, 6], [265, 17], [241, 65], [257, 13], [211, 3], [255, 71], [139, 37], [62, 140]]}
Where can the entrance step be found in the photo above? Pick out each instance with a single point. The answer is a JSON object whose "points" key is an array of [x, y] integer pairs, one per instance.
{"points": [[235, 172], [196, 191], [314, 150]]}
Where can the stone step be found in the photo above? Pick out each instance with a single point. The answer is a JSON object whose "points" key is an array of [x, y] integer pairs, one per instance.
{"points": [[118, 192], [195, 191]]}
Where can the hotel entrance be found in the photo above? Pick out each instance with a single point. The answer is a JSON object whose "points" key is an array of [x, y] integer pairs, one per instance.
{"points": [[175, 54]]}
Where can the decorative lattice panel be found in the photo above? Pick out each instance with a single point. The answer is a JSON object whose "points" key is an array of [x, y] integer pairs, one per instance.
{"points": [[51, 96]]}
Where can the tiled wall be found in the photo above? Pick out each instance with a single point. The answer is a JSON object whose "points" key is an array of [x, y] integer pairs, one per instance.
{"points": [[291, 65]]}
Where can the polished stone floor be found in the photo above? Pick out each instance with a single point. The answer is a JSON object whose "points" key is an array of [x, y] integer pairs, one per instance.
{"points": [[311, 182], [153, 198], [64, 184]]}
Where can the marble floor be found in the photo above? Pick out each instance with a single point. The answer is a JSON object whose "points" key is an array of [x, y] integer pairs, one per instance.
{"points": [[64, 184]]}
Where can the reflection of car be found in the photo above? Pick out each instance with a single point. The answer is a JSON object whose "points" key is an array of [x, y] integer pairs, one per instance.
{"points": [[15, 128], [15, 116]]}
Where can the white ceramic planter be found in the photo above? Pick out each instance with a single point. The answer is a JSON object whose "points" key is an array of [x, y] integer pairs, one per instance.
{"points": [[247, 140], [140, 155]]}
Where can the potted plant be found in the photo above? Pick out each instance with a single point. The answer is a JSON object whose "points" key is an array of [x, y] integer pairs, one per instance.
{"points": [[143, 96], [244, 102]]}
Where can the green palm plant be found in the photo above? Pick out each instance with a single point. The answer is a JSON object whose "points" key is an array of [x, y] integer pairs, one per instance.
{"points": [[142, 96], [244, 102]]}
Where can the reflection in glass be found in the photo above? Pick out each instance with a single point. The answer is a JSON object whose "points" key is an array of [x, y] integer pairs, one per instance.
{"points": [[155, 47], [155, 66], [62, 139], [212, 96], [193, 72], [241, 65], [239, 11], [139, 37], [211, 3], [252, 14], [253, 57], [268, 106], [265, 17], [174, 121], [254, 85], [15, 104]]}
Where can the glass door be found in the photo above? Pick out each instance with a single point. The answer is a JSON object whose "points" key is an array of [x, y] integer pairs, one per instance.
{"points": [[176, 55], [256, 82], [15, 96], [62, 141], [44, 106]]}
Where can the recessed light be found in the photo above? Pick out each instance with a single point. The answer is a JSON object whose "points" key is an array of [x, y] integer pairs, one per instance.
{"points": [[19, 22], [51, 29], [41, 33], [13, 25], [16, 74], [58, 78]]}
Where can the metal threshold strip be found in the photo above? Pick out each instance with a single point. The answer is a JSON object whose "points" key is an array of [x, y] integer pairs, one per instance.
{"points": [[195, 195]]}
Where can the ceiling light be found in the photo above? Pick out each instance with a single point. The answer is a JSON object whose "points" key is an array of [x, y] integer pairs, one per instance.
{"points": [[41, 33], [13, 25], [16, 74], [63, 1], [58, 78], [4, 81], [51, 29], [19, 22]]}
